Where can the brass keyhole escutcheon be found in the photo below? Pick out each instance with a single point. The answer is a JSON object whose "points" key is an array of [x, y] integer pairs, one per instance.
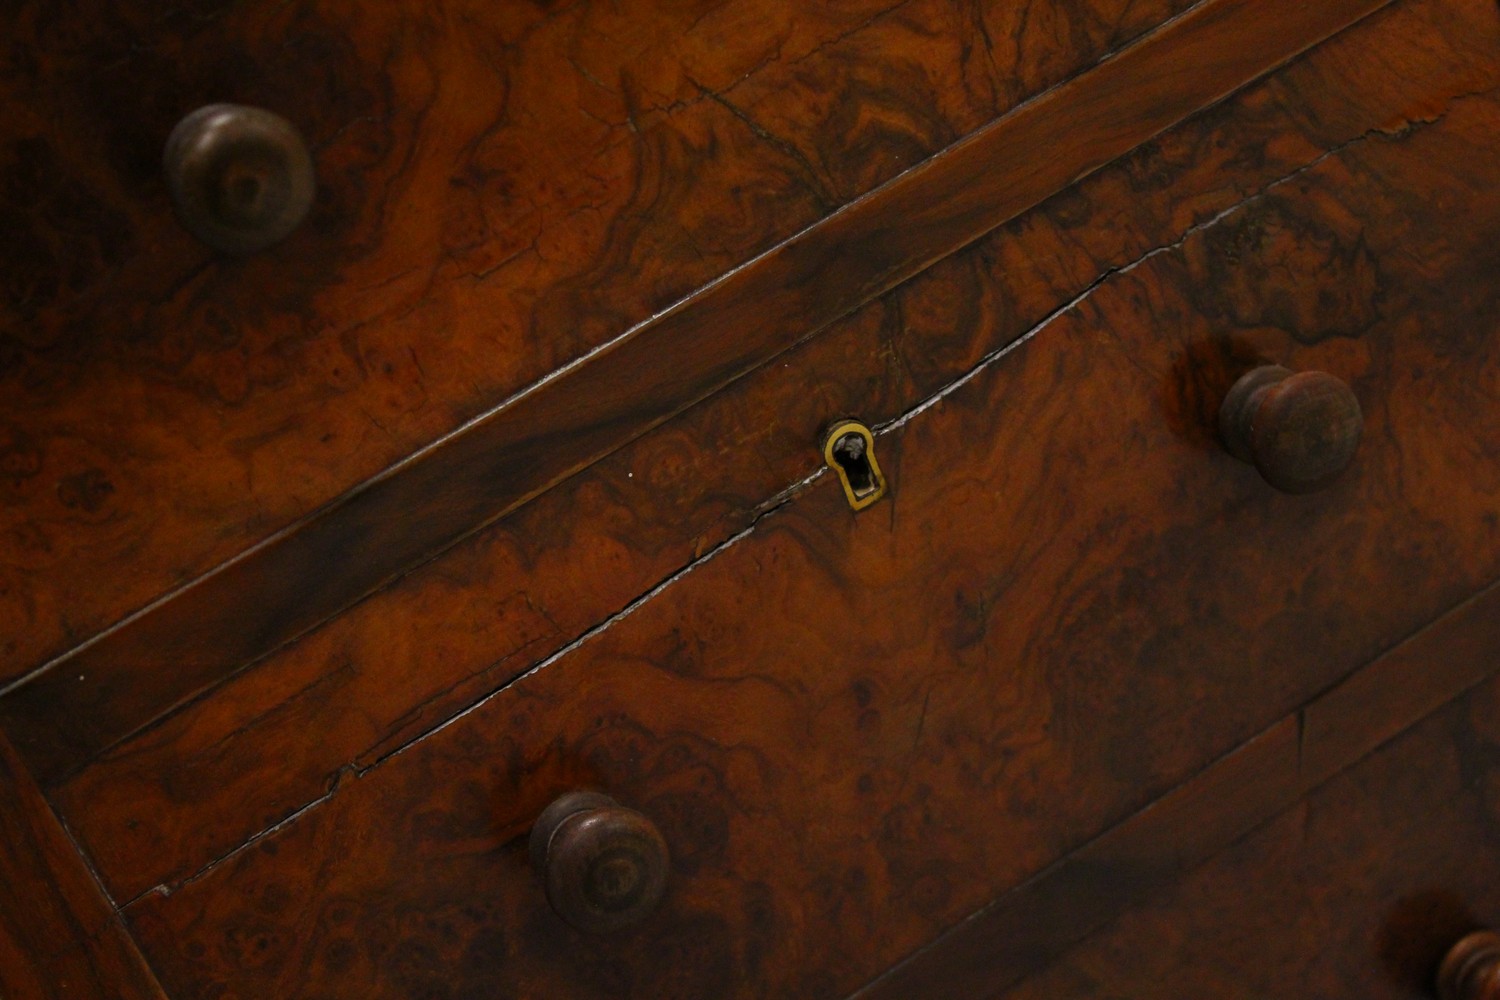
{"points": [[849, 450]]}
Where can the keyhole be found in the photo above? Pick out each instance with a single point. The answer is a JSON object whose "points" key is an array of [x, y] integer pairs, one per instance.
{"points": [[850, 452]]}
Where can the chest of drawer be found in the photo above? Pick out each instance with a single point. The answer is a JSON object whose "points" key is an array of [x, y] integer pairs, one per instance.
{"points": [[852, 732], [253, 605], [501, 188], [1359, 890], [186, 789]]}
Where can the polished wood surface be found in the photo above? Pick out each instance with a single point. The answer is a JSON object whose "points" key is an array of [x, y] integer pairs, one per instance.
{"points": [[503, 188], [60, 938], [1035, 925], [1047, 698], [191, 791], [274, 593], [947, 705], [1357, 891]]}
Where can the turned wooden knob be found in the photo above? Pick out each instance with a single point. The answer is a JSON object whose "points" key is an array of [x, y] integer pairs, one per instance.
{"points": [[604, 866], [241, 177], [1471, 970], [1300, 430]]}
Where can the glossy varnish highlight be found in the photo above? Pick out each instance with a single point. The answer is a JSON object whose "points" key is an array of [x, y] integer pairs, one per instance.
{"points": [[60, 937], [504, 186], [1025, 674], [1078, 649], [1356, 891], [297, 580], [188, 792]]}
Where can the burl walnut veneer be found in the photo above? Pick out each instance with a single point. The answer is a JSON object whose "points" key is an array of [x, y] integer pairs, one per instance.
{"points": [[737, 499]]}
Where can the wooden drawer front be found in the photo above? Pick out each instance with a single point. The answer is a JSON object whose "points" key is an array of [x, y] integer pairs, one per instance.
{"points": [[1356, 892], [1026, 930], [503, 186], [855, 731], [164, 804]]}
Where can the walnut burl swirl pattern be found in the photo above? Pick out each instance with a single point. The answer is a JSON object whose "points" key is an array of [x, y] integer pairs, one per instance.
{"points": [[249, 607], [186, 792], [854, 732], [502, 186], [1358, 890]]}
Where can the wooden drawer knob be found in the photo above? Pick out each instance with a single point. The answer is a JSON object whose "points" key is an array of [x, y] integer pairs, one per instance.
{"points": [[1471, 971], [1300, 430], [604, 866], [241, 177]]}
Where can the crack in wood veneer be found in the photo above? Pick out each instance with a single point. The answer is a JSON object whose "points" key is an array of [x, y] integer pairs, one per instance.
{"points": [[281, 589]]}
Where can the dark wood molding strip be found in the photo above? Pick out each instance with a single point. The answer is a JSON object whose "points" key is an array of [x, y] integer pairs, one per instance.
{"points": [[69, 711], [1038, 921], [60, 937]]}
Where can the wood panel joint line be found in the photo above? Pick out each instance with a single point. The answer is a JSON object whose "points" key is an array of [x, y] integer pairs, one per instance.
{"points": [[1034, 923], [197, 637]]}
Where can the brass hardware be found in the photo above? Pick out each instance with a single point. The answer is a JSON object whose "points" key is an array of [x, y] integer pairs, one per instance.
{"points": [[849, 450]]}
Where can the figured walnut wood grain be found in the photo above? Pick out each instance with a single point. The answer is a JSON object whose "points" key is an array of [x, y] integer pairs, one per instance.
{"points": [[277, 591], [505, 186], [60, 938], [855, 732], [1358, 890], [187, 792], [1149, 853]]}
